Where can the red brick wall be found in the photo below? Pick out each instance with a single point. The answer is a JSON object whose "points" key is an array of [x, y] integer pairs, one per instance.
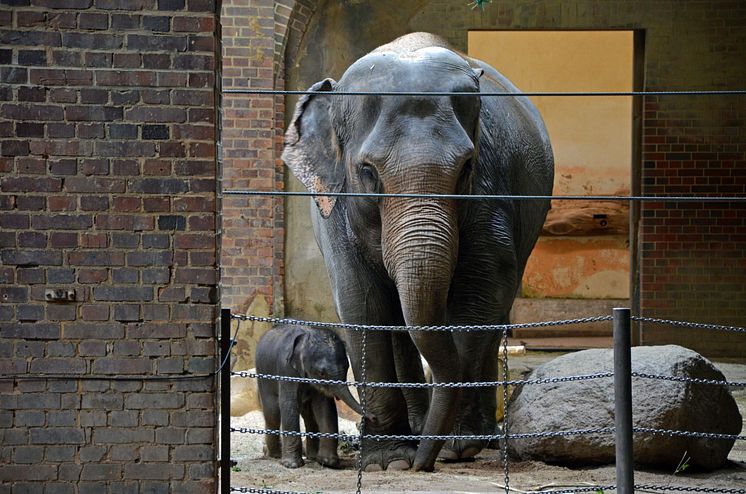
{"points": [[694, 254], [107, 154]]}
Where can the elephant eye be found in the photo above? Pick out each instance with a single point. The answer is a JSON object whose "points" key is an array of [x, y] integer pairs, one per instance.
{"points": [[369, 178]]}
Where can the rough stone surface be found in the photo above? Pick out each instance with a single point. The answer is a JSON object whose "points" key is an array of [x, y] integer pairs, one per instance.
{"points": [[657, 404]]}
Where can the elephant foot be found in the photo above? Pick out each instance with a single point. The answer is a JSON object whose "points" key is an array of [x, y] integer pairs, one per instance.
{"points": [[461, 450], [387, 455], [328, 461], [292, 462]]}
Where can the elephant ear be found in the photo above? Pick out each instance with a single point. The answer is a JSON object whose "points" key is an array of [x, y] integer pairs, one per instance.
{"points": [[294, 357], [310, 150]]}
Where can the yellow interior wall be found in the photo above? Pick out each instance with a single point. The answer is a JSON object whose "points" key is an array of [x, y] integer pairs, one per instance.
{"points": [[592, 141]]}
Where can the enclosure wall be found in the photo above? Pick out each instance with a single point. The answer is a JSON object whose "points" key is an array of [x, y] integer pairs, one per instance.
{"points": [[107, 198], [692, 256]]}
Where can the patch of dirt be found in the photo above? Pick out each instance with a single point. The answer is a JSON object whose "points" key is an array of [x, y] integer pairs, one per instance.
{"points": [[484, 474]]}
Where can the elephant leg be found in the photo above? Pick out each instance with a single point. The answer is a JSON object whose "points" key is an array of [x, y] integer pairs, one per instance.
{"points": [[292, 446], [271, 411], [477, 410], [363, 295], [437, 349], [309, 419], [409, 370], [482, 292], [387, 405], [325, 413]]}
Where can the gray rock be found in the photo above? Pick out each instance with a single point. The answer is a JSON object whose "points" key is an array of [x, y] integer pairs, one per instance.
{"points": [[657, 404]]}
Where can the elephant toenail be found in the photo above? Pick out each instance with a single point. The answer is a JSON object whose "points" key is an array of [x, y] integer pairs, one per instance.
{"points": [[399, 465]]}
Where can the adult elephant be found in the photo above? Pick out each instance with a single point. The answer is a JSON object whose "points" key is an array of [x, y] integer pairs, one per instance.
{"points": [[425, 260]]}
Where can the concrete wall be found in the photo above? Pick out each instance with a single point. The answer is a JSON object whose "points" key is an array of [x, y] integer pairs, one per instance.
{"points": [[691, 257], [592, 142], [107, 192]]}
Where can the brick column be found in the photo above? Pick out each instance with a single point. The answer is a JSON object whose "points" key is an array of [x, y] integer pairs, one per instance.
{"points": [[107, 154], [252, 251]]}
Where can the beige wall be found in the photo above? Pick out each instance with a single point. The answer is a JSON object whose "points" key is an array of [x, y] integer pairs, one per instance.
{"points": [[592, 141]]}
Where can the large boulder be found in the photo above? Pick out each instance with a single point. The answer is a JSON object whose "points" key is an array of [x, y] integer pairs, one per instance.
{"points": [[656, 404]]}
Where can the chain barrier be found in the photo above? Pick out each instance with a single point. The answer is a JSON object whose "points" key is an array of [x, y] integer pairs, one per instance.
{"points": [[480, 384], [505, 434], [364, 406], [595, 488], [404, 437], [692, 380], [690, 325], [505, 430], [653, 487], [704, 435], [262, 491], [467, 328], [590, 488]]}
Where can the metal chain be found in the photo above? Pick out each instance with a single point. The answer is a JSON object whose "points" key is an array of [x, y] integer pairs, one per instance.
{"points": [[262, 491], [402, 437], [690, 325], [652, 487], [488, 437], [486, 327], [693, 380], [364, 406], [483, 384], [506, 376], [706, 435], [593, 488], [466, 329], [640, 487]]}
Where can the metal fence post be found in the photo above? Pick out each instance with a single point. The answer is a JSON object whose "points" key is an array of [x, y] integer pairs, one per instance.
{"points": [[225, 401], [625, 475]]}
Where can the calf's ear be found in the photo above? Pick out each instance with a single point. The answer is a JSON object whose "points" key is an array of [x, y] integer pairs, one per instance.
{"points": [[310, 148]]}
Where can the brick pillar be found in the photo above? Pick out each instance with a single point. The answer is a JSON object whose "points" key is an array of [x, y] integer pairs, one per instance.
{"points": [[107, 154], [253, 235]]}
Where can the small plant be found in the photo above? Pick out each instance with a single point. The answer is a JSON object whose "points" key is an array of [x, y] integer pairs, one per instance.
{"points": [[683, 464], [599, 491], [235, 469]]}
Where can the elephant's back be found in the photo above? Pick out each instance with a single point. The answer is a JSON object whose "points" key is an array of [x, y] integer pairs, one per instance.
{"points": [[513, 127], [412, 42]]}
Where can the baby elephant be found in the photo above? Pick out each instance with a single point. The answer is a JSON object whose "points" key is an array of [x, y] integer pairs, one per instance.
{"points": [[295, 351]]}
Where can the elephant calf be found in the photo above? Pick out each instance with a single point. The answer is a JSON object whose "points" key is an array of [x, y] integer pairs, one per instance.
{"points": [[294, 351]]}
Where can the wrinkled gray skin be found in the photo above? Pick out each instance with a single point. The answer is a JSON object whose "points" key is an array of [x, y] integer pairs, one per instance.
{"points": [[436, 261], [310, 353]]}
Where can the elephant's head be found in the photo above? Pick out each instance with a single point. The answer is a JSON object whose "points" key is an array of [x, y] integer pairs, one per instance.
{"points": [[320, 354], [416, 144]]}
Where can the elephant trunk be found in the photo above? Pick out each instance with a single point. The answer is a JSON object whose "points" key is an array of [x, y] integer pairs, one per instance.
{"points": [[342, 392], [420, 248]]}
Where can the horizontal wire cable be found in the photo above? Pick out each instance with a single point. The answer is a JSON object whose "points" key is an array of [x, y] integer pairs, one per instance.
{"points": [[480, 197], [686, 92]]}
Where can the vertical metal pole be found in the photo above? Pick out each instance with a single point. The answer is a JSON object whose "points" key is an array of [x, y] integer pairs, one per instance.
{"points": [[225, 401], [625, 475]]}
